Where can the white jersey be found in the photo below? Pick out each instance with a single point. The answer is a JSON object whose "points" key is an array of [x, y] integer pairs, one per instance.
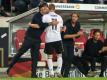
{"points": [[52, 32]]}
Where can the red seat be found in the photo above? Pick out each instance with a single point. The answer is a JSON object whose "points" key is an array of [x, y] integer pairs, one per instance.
{"points": [[43, 37], [80, 41], [19, 37]]}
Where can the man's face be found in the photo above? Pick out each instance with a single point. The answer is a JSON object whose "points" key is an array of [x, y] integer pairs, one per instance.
{"points": [[97, 36], [74, 18], [45, 10]]}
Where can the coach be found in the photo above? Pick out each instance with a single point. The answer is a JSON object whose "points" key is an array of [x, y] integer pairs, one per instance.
{"points": [[32, 39], [72, 31]]}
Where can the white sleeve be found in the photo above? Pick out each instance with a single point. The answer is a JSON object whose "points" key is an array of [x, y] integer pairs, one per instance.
{"points": [[46, 19], [60, 21]]}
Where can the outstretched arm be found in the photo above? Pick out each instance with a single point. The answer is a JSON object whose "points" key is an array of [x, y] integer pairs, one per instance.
{"points": [[103, 50]]}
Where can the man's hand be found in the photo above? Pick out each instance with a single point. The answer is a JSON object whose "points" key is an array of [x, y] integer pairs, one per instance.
{"points": [[103, 49], [29, 24], [100, 51], [63, 29], [54, 23], [80, 33], [33, 25]]}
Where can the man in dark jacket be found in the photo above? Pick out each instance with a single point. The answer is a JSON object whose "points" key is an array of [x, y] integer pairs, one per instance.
{"points": [[91, 51], [72, 31], [103, 55], [32, 39]]}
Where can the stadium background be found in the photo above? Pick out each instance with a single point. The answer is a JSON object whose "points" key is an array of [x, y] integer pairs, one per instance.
{"points": [[13, 27]]}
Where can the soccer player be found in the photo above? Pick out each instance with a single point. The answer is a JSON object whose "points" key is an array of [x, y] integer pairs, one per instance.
{"points": [[53, 40]]}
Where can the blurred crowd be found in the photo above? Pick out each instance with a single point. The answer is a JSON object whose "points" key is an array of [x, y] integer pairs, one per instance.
{"points": [[8, 7]]}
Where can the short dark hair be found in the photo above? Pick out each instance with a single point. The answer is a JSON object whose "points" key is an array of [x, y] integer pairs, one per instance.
{"points": [[96, 31], [42, 5]]}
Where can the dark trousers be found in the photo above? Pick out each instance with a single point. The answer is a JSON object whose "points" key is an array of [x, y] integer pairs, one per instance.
{"points": [[91, 60], [68, 58], [103, 65], [82, 65], [34, 49]]}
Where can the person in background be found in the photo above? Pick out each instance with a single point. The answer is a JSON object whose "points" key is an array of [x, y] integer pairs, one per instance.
{"points": [[91, 1], [103, 55], [105, 1], [34, 3], [91, 51], [64, 1], [21, 6], [101, 1], [72, 31], [7, 5], [0, 2], [3, 12], [48, 0], [55, 1], [75, 1]]}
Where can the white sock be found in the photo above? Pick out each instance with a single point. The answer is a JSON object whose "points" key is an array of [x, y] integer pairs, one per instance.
{"points": [[59, 62], [50, 66]]}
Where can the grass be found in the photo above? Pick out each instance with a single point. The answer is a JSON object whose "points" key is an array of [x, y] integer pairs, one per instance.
{"points": [[52, 78]]}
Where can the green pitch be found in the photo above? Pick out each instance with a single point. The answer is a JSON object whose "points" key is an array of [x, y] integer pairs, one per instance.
{"points": [[53, 78]]}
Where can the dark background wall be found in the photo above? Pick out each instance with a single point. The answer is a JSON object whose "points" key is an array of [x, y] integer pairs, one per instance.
{"points": [[4, 38]]}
